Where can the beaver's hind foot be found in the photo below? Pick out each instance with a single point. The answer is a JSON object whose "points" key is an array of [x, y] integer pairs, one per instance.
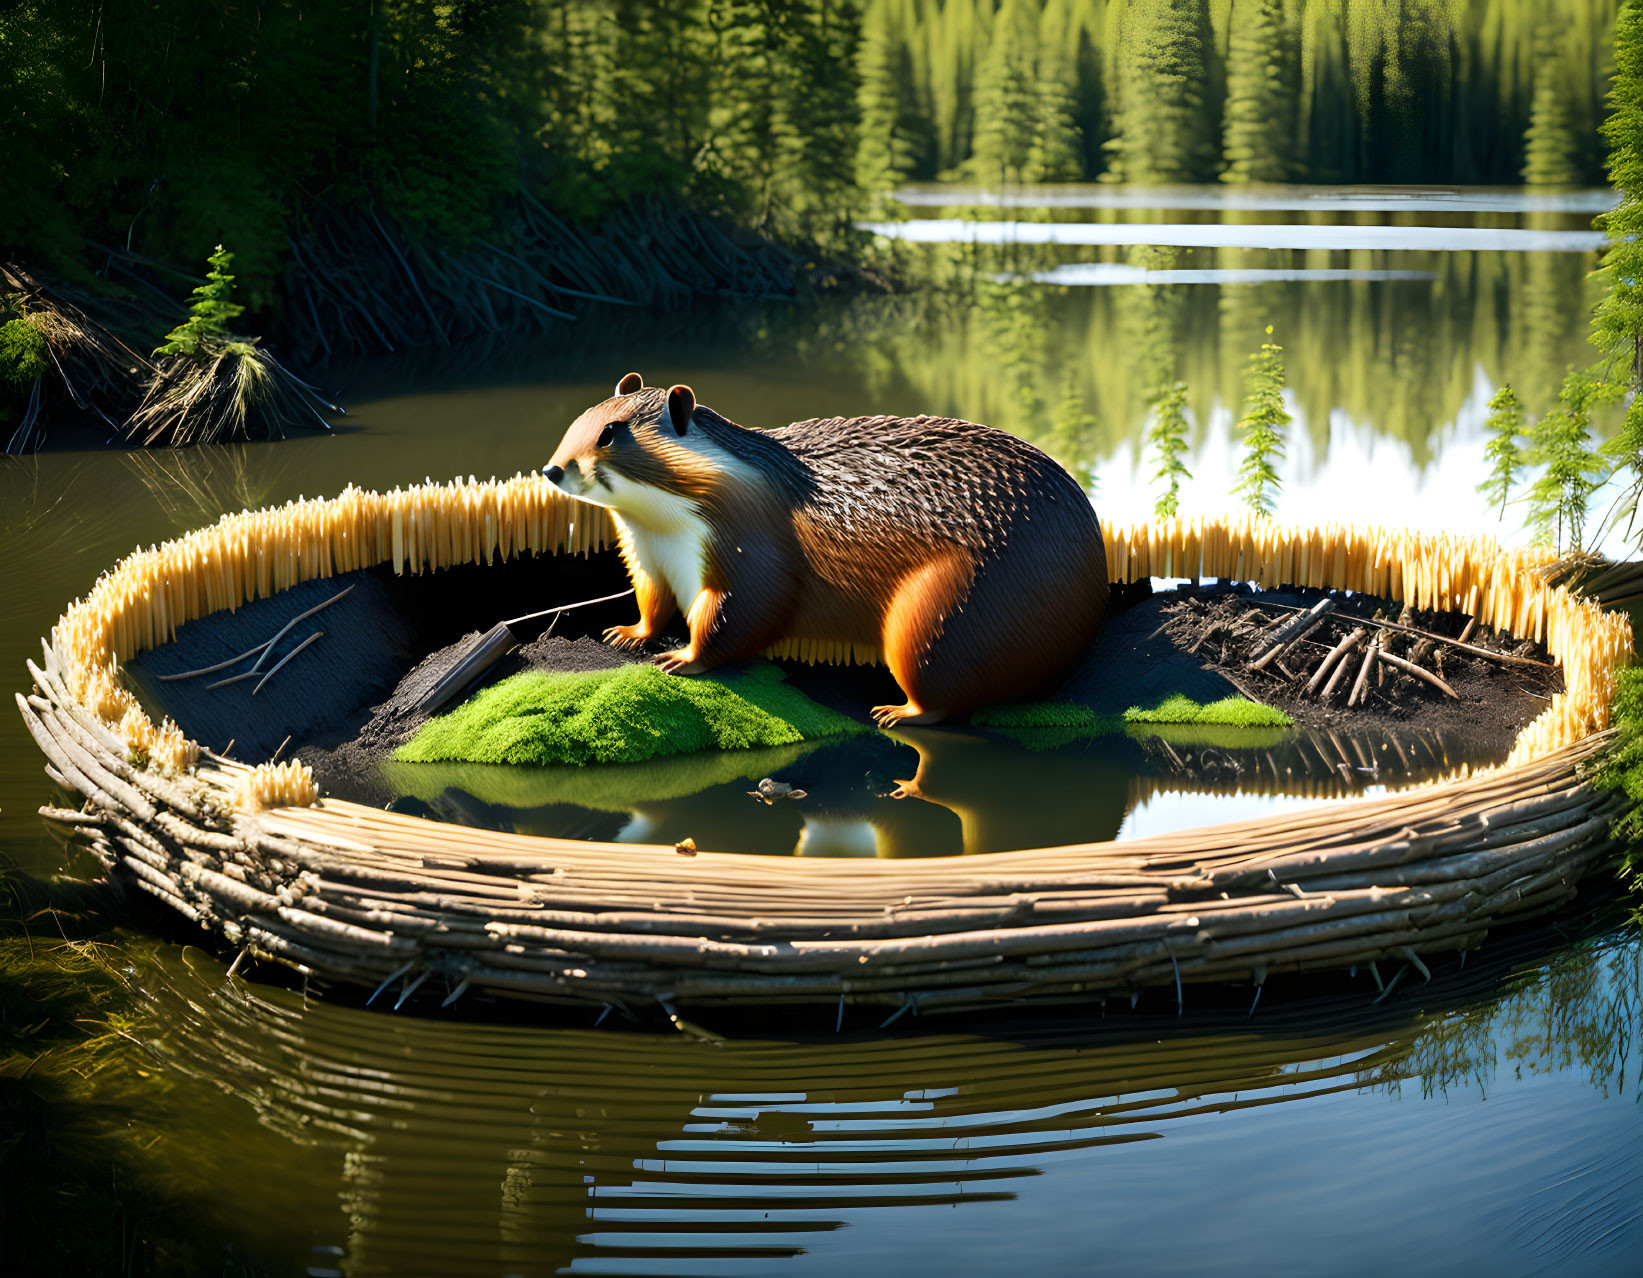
{"points": [[909, 714], [679, 661]]}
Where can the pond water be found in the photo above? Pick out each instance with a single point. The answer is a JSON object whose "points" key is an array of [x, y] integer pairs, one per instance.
{"points": [[1489, 1120]]}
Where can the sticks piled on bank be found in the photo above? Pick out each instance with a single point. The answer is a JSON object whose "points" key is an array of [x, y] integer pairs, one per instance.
{"points": [[1504, 589], [358, 284]]}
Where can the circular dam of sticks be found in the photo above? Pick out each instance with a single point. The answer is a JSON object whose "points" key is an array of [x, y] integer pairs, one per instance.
{"points": [[410, 908]]}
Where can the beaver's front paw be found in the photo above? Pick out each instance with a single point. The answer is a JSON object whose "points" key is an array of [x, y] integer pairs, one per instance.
{"points": [[626, 637]]}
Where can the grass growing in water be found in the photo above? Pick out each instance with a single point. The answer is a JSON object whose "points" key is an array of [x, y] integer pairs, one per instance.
{"points": [[625, 715]]}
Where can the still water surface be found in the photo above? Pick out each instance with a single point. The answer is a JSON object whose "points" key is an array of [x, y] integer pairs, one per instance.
{"points": [[1491, 1121]]}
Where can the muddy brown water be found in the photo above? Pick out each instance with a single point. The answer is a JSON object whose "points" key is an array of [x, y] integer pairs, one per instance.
{"points": [[1488, 1122]]}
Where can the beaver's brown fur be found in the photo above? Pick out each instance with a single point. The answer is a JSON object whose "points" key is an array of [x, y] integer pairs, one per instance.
{"points": [[966, 557]]}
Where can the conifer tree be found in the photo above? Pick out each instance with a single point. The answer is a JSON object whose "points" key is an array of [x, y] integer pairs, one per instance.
{"points": [[1259, 116], [890, 147], [1167, 437], [210, 311], [1617, 323], [1160, 120], [1006, 100], [1057, 150], [1262, 427], [1561, 441], [1551, 148], [1617, 326], [1506, 459]]}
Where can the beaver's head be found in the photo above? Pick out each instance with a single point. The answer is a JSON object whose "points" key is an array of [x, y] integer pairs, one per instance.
{"points": [[639, 453]]}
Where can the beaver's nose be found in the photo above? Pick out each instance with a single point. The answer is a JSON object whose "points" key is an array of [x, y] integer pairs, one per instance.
{"points": [[554, 473]]}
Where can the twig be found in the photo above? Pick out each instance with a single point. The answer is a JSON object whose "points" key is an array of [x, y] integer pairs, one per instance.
{"points": [[264, 647], [1504, 657], [1292, 630], [284, 659], [287, 626], [1363, 671], [1409, 667], [1335, 654]]}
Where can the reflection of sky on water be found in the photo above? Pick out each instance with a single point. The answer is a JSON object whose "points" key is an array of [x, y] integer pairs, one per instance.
{"points": [[1170, 811], [1359, 478], [1267, 235], [1299, 199], [1103, 274]]}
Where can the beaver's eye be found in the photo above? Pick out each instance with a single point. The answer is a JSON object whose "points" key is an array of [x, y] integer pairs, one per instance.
{"points": [[606, 436]]}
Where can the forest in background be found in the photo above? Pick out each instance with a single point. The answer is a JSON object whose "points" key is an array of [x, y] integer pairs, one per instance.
{"points": [[166, 127]]}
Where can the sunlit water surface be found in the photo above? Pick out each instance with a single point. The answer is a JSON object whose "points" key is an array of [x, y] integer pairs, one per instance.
{"points": [[1489, 1122]]}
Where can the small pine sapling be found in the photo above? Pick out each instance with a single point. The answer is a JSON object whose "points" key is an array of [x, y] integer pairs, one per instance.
{"points": [[1561, 441], [209, 313], [1506, 458], [1262, 427], [1167, 437], [209, 385]]}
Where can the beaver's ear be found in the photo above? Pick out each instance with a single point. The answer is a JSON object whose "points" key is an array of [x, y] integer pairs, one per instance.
{"points": [[681, 403], [629, 384]]}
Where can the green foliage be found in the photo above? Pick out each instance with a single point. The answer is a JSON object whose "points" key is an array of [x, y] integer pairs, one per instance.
{"points": [[1260, 104], [1561, 442], [1617, 326], [1621, 767], [1167, 437], [893, 139], [1177, 708], [1506, 458], [1551, 145], [1262, 427], [1231, 712], [625, 715], [1162, 119], [1047, 714], [23, 355], [209, 313]]}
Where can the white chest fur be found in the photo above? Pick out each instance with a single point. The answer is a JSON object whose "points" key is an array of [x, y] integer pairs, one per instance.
{"points": [[668, 542]]}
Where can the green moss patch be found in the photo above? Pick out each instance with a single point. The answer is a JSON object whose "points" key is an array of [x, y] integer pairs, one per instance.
{"points": [[1231, 712], [1177, 708], [1047, 714], [626, 715]]}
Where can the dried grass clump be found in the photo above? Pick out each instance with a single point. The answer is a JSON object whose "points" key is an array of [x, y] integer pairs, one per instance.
{"points": [[222, 391], [92, 368], [275, 785]]}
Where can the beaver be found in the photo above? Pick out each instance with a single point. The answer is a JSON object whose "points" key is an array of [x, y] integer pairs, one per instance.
{"points": [[964, 557]]}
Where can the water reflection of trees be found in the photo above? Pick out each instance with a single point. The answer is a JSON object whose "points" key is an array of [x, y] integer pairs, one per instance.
{"points": [[464, 1146], [1399, 357], [1579, 1010]]}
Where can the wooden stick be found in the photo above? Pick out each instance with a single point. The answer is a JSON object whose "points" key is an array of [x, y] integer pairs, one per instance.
{"points": [[1335, 654], [1363, 672], [1292, 630], [1409, 667], [1503, 657]]}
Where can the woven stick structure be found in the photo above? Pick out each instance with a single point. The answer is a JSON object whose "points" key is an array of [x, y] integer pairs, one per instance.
{"points": [[359, 896]]}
